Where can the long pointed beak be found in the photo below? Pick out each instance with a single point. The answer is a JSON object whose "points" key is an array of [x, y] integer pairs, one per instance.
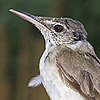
{"points": [[31, 18]]}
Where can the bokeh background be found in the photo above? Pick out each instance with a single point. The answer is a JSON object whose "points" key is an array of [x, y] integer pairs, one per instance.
{"points": [[21, 44]]}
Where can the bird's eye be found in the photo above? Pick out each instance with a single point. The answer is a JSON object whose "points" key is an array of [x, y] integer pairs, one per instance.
{"points": [[58, 28]]}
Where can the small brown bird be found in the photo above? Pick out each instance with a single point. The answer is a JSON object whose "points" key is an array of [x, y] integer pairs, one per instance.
{"points": [[69, 67]]}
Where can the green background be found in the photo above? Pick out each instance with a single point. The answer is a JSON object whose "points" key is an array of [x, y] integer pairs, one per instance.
{"points": [[21, 44]]}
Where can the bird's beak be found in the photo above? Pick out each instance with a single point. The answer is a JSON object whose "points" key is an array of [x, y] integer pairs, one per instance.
{"points": [[37, 21]]}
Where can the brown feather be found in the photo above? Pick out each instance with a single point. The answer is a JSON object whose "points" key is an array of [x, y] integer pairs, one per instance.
{"points": [[81, 70]]}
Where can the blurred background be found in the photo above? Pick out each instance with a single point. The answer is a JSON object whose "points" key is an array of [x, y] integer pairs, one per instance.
{"points": [[21, 44]]}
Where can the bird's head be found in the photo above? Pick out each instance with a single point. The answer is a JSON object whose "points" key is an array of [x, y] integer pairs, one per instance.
{"points": [[57, 31]]}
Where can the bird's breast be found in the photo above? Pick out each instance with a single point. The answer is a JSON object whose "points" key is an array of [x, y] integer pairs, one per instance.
{"points": [[51, 79]]}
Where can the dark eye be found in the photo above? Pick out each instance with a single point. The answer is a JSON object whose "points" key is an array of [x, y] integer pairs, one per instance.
{"points": [[58, 28]]}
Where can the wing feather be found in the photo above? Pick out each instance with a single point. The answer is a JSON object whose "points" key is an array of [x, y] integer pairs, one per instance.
{"points": [[83, 68]]}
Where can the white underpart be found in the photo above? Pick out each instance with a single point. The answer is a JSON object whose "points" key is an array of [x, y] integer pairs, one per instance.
{"points": [[36, 81], [51, 80], [55, 87]]}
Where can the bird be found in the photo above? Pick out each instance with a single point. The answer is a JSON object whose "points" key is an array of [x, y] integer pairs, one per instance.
{"points": [[69, 67]]}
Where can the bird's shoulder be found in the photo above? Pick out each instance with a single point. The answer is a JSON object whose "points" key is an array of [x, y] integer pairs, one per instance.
{"points": [[81, 67]]}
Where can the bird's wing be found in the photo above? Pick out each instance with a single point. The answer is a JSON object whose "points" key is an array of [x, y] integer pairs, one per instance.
{"points": [[81, 70]]}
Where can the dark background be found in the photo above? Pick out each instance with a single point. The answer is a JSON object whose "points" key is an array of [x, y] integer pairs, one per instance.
{"points": [[21, 44]]}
